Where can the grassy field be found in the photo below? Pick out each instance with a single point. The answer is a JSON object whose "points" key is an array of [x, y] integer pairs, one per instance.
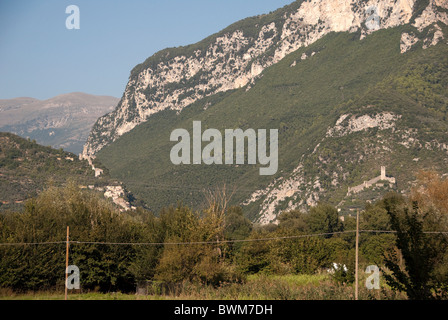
{"points": [[257, 287]]}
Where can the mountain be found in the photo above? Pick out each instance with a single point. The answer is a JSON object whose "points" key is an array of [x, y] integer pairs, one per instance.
{"points": [[27, 168], [63, 121], [235, 57], [352, 86]]}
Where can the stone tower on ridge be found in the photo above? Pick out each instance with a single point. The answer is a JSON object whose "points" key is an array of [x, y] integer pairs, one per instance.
{"points": [[383, 173]]}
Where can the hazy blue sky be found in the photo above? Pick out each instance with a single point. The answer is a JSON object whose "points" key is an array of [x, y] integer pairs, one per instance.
{"points": [[41, 58]]}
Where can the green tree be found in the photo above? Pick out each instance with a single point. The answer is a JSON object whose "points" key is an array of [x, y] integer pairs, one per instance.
{"points": [[375, 217], [190, 252], [45, 218], [373, 245], [419, 251], [143, 266], [294, 220], [254, 255], [304, 255], [324, 218], [237, 227]]}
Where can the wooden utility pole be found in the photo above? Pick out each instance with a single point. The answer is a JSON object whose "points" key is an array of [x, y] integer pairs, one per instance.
{"points": [[66, 264], [356, 254]]}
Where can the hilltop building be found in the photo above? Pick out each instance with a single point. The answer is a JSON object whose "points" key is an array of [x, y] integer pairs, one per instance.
{"points": [[375, 181]]}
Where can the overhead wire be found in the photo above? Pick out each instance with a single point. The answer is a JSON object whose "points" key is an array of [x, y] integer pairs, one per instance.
{"points": [[207, 242]]}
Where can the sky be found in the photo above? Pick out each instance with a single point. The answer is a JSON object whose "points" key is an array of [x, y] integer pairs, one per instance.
{"points": [[41, 58]]}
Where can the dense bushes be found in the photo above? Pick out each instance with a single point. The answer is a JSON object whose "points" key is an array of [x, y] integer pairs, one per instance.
{"points": [[211, 259], [94, 222], [31, 267], [115, 250]]}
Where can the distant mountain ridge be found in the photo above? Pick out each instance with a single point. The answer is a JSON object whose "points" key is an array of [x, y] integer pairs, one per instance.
{"points": [[63, 121]]}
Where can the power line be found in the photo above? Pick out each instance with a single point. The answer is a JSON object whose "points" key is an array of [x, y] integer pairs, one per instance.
{"points": [[378, 231], [213, 242], [31, 243], [177, 243], [207, 242]]}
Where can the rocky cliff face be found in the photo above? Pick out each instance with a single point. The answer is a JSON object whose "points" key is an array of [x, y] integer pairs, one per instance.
{"points": [[236, 57]]}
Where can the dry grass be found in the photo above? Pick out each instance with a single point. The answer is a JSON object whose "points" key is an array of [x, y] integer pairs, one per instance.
{"points": [[257, 287]]}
